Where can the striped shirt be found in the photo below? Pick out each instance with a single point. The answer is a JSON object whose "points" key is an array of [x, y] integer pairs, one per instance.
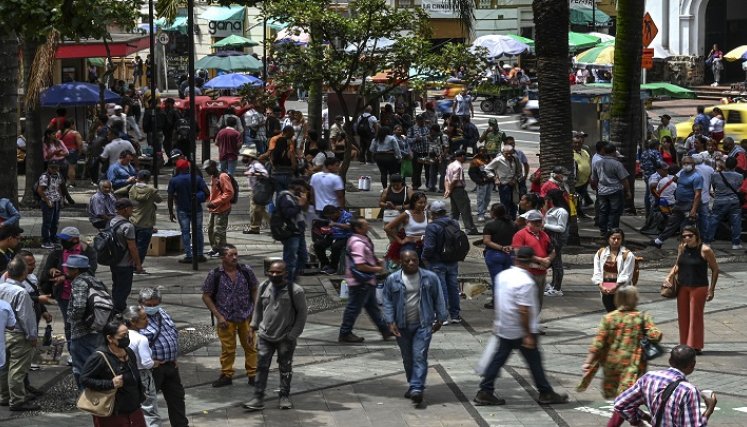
{"points": [[682, 409], [162, 337], [418, 146]]}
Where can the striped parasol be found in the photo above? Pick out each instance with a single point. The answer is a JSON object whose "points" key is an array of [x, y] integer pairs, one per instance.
{"points": [[737, 54], [603, 55]]}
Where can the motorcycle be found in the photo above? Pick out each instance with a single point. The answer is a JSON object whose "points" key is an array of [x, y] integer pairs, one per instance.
{"points": [[530, 115]]}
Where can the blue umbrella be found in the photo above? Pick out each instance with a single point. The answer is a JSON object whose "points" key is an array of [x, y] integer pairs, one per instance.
{"points": [[76, 93], [232, 81]]}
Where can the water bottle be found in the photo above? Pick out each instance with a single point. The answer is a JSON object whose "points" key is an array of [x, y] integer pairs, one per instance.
{"points": [[344, 291], [47, 336]]}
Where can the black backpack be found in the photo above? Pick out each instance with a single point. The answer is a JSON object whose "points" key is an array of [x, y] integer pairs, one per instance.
{"points": [[99, 305], [109, 251], [455, 243], [281, 228], [363, 128], [182, 129], [235, 185], [263, 190]]}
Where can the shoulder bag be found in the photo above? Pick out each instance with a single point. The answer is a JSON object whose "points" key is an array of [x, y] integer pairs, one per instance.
{"points": [[670, 288], [739, 195], [95, 402], [666, 394], [650, 350]]}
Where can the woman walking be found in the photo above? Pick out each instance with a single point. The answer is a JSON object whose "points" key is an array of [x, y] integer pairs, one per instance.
{"points": [[556, 226], [408, 229], [386, 154], [613, 267], [617, 348], [694, 258], [484, 181], [497, 236]]}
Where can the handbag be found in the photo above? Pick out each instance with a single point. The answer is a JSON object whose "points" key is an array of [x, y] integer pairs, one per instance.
{"points": [[406, 168], [670, 288], [739, 195], [650, 349], [95, 402]]}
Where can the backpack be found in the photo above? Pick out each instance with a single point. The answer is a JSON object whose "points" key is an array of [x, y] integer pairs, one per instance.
{"points": [[363, 128], [263, 190], [37, 197], [455, 243], [99, 305], [182, 129], [281, 228], [235, 185], [109, 251], [636, 264]]}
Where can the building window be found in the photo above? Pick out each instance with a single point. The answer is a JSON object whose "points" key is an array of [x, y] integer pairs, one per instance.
{"points": [[486, 4], [404, 4]]}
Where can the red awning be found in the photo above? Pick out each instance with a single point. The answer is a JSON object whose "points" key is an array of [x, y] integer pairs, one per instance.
{"points": [[121, 45]]}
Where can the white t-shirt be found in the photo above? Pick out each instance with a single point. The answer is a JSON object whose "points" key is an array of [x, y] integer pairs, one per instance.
{"points": [[7, 320], [113, 149], [412, 298], [325, 185], [516, 288], [668, 193], [717, 124], [139, 345]]}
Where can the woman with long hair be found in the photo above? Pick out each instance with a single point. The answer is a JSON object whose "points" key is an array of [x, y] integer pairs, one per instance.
{"points": [[556, 226], [408, 229], [284, 163], [54, 150], [299, 130], [497, 236], [613, 267], [617, 348], [386, 153], [668, 152], [694, 258], [717, 124]]}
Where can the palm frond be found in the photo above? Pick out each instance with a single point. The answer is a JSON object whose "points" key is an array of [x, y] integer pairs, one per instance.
{"points": [[168, 9], [41, 68], [466, 11]]}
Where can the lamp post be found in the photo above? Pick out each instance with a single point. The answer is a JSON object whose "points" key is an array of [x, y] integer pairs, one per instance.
{"points": [[156, 145], [264, 51], [196, 252]]}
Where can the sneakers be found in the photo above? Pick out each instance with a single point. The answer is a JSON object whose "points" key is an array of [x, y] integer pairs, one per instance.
{"points": [[483, 398], [256, 404], [653, 243], [47, 245], [455, 320], [481, 218], [202, 259], [250, 231], [213, 253], [285, 403], [328, 270], [25, 406], [185, 261], [552, 398], [350, 338], [548, 287], [553, 293], [737, 247], [408, 393], [416, 396], [35, 392], [222, 381]]}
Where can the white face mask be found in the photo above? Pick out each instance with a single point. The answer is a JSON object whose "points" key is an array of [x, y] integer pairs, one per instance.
{"points": [[688, 168]]}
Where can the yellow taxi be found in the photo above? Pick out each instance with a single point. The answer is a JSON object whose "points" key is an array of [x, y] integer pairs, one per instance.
{"points": [[735, 118]]}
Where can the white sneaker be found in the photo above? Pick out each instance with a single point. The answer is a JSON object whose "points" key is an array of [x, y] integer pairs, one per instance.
{"points": [[548, 287], [553, 293], [736, 247], [480, 218]]}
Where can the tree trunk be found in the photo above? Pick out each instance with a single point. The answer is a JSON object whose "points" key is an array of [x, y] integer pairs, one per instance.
{"points": [[8, 115], [625, 114], [316, 50], [550, 21], [34, 160]]}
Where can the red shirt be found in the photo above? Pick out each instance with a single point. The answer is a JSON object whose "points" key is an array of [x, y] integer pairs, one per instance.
{"points": [[547, 186], [229, 141], [540, 243]]}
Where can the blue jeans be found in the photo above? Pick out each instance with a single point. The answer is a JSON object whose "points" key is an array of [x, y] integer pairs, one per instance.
{"points": [[447, 274], [731, 210], [704, 218], [185, 224], [647, 196], [50, 221], [295, 255], [63, 304], [142, 241], [413, 344], [496, 261], [81, 349], [361, 297], [483, 198], [121, 286], [531, 356], [506, 193], [228, 166], [610, 210]]}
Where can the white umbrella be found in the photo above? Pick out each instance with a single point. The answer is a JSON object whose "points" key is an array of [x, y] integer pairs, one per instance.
{"points": [[381, 43], [500, 45], [604, 37]]}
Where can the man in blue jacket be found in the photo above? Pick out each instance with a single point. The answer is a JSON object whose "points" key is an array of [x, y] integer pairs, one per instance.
{"points": [[180, 193], [447, 272], [414, 309], [122, 173]]}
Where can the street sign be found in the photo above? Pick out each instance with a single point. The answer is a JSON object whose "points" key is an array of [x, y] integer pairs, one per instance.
{"points": [[647, 59], [163, 38], [649, 30]]}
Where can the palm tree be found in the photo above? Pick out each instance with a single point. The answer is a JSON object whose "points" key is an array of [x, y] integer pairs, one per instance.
{"points": [[625, 113], [8, 114]]}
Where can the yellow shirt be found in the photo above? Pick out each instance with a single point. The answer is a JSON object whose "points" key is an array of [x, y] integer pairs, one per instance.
{"points": [[583, 166]]}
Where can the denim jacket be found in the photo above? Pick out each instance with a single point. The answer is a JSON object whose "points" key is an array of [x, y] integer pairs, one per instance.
{"points": [[432, 305], [8, 213]]}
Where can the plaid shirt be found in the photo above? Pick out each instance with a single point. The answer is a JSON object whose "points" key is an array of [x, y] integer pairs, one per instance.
{"points": [[418, 147], [163, 337], [78, 305], [682, 408]]}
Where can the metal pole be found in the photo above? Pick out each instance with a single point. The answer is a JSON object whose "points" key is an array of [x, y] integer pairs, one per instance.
{"points": [[152, 84], [196, 252], [594, 15], [264, 52]]}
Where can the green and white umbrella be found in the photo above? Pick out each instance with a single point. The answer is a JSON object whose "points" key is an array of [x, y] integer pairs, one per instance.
{"points": [[602, 55], [581, 41], [229, 61], [235, 40]]}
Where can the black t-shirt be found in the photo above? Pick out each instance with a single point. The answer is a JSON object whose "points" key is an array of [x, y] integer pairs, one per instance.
{"points": [[501, 231]]}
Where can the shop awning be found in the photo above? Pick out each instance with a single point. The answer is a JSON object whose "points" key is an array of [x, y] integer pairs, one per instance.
{"points": [[179, 24], [97, 62], [583, 15], [275, 25], [120, 45], [220, 13]]}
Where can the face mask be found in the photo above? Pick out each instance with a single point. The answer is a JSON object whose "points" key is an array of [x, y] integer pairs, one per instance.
{"points": [[688, 168], [558, 178], [151, 310], [277, 280], [124, 342], [67, 244], [245, 161]]}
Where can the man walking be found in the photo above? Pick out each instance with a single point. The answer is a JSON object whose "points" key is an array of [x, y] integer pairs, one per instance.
{"points": [[144, 197], [447, 272], [180, 191], [219, 206], [688, 196], [255, 132], [457, 194], [122, 272], [726, 204], [680, 409], [19, 342], [255, 171], [164, 345], [292, 205], [508, 174], [517, 326], [50, 191], [279, 318], [230, 293], [229, 142], [610, 179], [417, 139], [414, 309]]}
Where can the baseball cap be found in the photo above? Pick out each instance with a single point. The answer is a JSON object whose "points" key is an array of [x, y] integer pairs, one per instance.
{"points": [[662, 164], [560, 170], [459, 153], [122, 204], [525, 253], [532, 215], [250, 151], [665, 116], [175, 153], [117, 108], [580, 134], [68, 233], [143, 174], [79, 262], [207, 163], [437, 206], [182, 164], [493, 122], [395, 177]]}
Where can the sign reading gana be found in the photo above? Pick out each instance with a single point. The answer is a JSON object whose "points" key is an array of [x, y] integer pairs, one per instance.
{"points": [[225, 28]]}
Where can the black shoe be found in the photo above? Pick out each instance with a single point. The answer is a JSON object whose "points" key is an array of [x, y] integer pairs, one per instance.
{"points": [[185, 261], [222, 381], [34, 391], [474, 232], [386, 335], [252, 381], [489, 305], [408, 393], [350, 338], [202, 259], [552, 398], [25, 406], [251, 231], [484, 398], [256, 404], [416, 397]]}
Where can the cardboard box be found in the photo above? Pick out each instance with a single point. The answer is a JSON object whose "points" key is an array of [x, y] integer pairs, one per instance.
{"points": [[165, 242], [370, 213]]}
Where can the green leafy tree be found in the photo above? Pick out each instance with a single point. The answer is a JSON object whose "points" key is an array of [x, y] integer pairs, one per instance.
{"points": [[37, 27]]}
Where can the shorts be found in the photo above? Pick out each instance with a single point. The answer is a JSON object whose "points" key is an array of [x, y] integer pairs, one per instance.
{"points": [[72, 157]]}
